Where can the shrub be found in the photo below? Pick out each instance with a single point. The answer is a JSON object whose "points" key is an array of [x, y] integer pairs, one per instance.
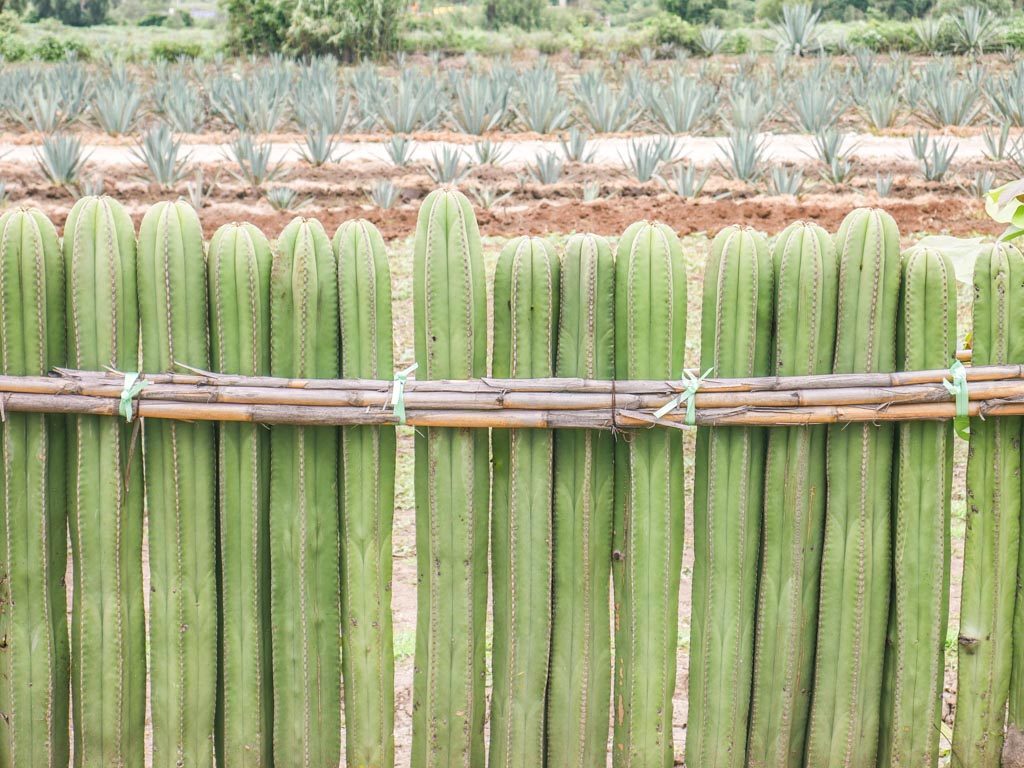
{"points": [[168, 50], [52, 48], [881, 36], [525, 14], [12, 48], [10, 23], [667, 29], [257, 26]]}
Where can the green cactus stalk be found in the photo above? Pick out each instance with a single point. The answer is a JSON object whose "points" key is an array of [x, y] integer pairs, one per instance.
{"points": [[736, 328], [915, 652], [452, 487], [525, 322], [105, 495], [856, 565], [368, 500], [238, 270], [304, 504], [180, 494], [579, 690], [34, 663], [985, 652], [806, 285], [650, 338]]}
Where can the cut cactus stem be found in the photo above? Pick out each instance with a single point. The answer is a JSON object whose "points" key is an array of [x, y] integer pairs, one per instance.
{"points": [[105, 501], [34, 656], [985, 650], [856, 565], [526, 287], [367, 504], [452, 492], [793, 525], [914, 670], [736, 331], [180, 494], [580, 675], [650, 337], [238, 268], [304, 509]]}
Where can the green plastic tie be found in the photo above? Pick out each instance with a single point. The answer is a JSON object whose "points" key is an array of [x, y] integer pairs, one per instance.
{"points": [[688, 396], [132, 386], [398, 392], [958, 388]]}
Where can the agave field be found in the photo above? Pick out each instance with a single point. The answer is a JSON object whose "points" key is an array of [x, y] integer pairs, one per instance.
{"points": [[654, 133]]}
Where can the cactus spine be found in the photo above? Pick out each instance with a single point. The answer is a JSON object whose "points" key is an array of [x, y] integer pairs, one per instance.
{"points": [[855, 571], [239, 282], [368, 498], [650, 336], [806, 285], [105, 503], [33, 525], [579, 690], [180, 487], [525, 319], [304, 526], [735, 341], [912, 686], [993, 523], [452, 487]]}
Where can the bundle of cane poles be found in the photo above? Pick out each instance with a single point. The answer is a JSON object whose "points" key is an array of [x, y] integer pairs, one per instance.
{"points": [[543, 403]]}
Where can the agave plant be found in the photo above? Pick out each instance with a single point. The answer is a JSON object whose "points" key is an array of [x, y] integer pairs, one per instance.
{"points": [[546, 168], [996, 143], [116, 103], [411, 103], [399, 149], [490, 153], [683, 105], [543, 108], [1006, 95], [321, 147], [643, 157], [590, 191], [180, 103], [198, 190], [743, 156], [575, 146], [254, 162], [983, 182], [447, 167], [919, 144], [686, 180], [255, 103], [881, 108], [487, 197], [384, 194], [480, 104], [937, 159], [786, 180], [61, 159], [948, 100], [883, 184], [711, 40], [975, 27], [160, 153], [286, 199], [751, 104], [929, 34], [797, 32], [605, 110], [817, 105]]}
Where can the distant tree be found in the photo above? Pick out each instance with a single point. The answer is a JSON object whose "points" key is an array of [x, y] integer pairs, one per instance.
{"points": [[74, 13], [525, 14], [693, 11], [258, 26]]}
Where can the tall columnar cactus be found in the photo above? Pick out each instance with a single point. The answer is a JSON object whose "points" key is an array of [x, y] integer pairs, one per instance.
{"points": [[914, 660], [105, 495], [806, 284], [33, 524], [180, 494], [452, 487], [304, 505], [368, 499], [728, 499], [650, 337], [856, 567], [580, 676], [239, 284], [993, 523], [525, 322]]}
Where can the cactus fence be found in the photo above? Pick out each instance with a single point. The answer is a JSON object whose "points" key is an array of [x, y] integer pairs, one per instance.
{"points": [[822, 553]]}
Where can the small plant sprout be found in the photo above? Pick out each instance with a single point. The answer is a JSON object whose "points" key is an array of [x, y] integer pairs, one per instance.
{"points": [[447, 166], [286, 199], [488, 197], [399, 149], [161, 155], [883, 184], [686, 180], [787, 180], [384, 194], [546, 168]]}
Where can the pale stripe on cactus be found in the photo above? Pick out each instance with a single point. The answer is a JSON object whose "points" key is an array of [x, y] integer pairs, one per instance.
{"points": [[525, 322], [108, 633], [806, 284], [368, 498], [728, 498], [579, 690], [452, 487], [239, 284], [650, 338]]}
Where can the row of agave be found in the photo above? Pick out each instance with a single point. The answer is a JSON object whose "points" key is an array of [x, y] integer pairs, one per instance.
{"points": [[820, 585], [317, 96]]}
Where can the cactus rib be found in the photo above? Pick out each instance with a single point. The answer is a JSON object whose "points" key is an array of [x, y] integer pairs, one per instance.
{"points": [[108, 634], [525, 318], [304, 525], [452, 487], [806, 285], [368, 496], [914, 669], [736, 336], [855, 572], [650, 335], [579, 691], [239, 285]]}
